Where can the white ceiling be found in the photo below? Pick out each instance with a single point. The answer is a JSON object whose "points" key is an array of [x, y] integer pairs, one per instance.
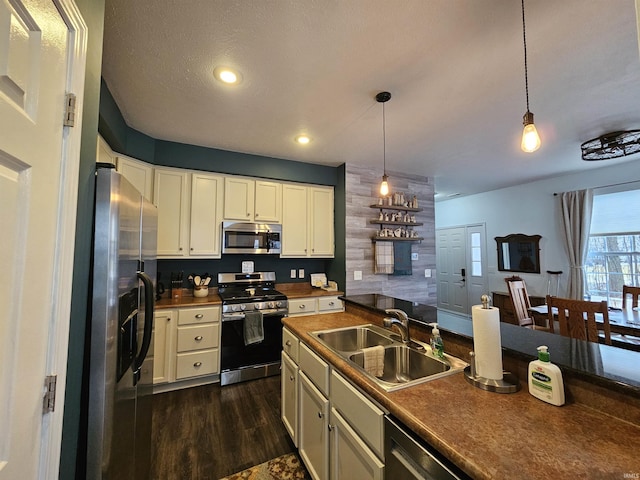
{"points": [[455, 69]]}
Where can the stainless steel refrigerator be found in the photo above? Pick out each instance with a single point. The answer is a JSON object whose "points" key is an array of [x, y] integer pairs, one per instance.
{"points": [[120, 375]]}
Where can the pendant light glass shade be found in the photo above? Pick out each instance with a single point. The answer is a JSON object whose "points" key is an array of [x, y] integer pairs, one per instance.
{"points": [[384, 186], [530, 137], [382, 98]]}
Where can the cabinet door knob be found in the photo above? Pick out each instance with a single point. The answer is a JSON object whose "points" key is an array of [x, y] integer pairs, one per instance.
{"points": [[197, 364], [180, 248], [248, 214], [291, 377], [331, 304], [199, 315], [191, 249], [198, 338], [320, 415], [302, 306], [330, 427], [288, 343], [256, 215]]}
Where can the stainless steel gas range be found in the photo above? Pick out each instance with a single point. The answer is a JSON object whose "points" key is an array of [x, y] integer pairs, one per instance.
{"points": [[252, 312]]}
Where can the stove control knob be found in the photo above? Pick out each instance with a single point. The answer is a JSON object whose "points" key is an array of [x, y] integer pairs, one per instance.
{"points": [[279, 304], [234, 308], [272, 304], [243, 307]]}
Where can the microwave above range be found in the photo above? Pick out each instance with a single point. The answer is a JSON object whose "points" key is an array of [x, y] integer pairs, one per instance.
{"points": [[251, 238]]}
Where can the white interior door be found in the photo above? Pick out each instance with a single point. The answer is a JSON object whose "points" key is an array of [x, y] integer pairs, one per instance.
{"points": [[451, 265], [462, 267], [41, 56]]}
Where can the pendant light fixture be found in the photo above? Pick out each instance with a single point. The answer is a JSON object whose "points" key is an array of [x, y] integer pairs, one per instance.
{"points": [[530, 137], [382, 98]]}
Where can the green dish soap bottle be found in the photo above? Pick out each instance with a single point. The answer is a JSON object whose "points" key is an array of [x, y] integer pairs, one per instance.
{"points": [[545, 379], [437, 346]]}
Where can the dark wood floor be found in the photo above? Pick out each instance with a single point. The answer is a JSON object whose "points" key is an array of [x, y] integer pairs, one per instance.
{"points": [[209, 432]]}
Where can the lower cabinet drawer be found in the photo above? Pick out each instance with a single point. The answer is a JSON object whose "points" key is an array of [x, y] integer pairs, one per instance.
{"points": [[197, 363], [198, 337], [314, 367], [302, 306], [326, 304]]}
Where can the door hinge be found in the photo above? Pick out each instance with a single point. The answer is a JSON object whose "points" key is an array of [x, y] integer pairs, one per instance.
{"points": [[49, 401], [70, 110]]}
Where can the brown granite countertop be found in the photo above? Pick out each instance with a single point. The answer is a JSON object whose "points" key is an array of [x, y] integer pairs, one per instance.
{"points": [[496, 436], [303, 290], [291, 290]]}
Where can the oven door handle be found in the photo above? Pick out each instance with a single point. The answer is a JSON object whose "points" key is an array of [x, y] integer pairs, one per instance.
{"points": [[230, 317]]}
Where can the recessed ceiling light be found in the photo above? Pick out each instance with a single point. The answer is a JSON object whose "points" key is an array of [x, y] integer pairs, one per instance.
{"points": [[303, 139], [227, 75]]}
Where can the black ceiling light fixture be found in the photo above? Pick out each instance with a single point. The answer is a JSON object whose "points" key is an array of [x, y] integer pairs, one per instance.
{"points": [[611, 145], [530, 138], [382, 98]]}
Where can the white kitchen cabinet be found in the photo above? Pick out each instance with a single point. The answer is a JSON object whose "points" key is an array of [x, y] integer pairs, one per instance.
{"points": [[104, 154], [206, 215], [268, 202], [198, 342], [163, 333], [294, 221], [307, 221], [139, 174], [289, 396], [251, 200], [313, 440], [171, 196], [350, 456], [313, 305]]}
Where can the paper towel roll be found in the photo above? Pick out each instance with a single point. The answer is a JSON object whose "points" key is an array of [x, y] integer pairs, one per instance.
{"points": [[486, 342]]}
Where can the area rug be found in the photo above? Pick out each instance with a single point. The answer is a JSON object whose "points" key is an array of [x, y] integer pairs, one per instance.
{"points": [[285, 467]]}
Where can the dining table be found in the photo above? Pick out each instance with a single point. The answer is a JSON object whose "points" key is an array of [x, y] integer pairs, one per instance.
{"points": [[625, 321]]}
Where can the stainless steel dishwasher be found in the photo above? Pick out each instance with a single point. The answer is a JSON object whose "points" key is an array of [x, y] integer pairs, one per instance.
{"points": [[407, 457]]}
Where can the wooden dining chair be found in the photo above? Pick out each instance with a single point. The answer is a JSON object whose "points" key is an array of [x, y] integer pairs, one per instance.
{"points": [[634, 292], [577, 318], [521, 304]]}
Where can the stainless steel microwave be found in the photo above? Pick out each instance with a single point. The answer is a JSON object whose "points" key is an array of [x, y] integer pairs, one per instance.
{"points": [[251, 238]]}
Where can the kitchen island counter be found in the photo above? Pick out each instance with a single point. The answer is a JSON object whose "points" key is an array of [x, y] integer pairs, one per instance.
{"points": [[490, 435]]}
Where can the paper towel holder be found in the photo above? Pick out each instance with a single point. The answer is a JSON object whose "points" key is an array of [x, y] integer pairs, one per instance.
{"points": [[508, 384]]}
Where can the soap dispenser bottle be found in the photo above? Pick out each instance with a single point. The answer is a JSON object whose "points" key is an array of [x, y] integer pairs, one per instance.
{"points": [[437, 346], [545, 379]]}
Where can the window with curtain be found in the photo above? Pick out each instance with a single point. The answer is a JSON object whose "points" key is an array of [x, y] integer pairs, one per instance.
{"points": [[614, 246]]}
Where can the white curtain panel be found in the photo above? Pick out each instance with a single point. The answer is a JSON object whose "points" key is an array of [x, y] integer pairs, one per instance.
{"points": [[576, 218]]}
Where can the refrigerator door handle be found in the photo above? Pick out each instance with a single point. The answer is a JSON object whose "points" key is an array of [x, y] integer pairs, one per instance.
{"points": [[148, 322]]}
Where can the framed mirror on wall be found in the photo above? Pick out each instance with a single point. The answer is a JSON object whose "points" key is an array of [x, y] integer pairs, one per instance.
{"points": [[519, 253]]}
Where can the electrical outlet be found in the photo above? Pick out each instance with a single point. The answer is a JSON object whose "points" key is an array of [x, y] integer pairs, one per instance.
{"points": [[293, 273], [301, 273], [427, 273], [357, 274], [414, 256]]}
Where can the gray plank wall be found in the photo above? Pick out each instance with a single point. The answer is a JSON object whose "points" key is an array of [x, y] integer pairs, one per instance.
{"points": [[362, 186]]}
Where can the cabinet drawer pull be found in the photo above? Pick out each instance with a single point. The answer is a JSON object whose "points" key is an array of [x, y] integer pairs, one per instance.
{"points": [[331, 304], [197, 364], [198, 338], [288, 343], [302, 306], [199, 315]]}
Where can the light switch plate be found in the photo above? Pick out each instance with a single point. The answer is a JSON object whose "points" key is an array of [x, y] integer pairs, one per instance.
{"points": [[427, 273], [301, 273], [293, 273], [414, 256], [357, 274]]}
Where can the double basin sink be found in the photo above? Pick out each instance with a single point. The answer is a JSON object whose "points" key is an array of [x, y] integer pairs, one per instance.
{"points": [[404, 366]]}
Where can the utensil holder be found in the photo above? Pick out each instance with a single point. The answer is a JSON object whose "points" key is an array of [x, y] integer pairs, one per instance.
{"points": [[200, 291]]}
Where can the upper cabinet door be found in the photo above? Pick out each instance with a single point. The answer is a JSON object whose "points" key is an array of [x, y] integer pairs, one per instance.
{"points": [[321, 221], [239, 199], [268, 203], [139, 173], [206, 214], [170, 195], [294, 221], [104, 153]]}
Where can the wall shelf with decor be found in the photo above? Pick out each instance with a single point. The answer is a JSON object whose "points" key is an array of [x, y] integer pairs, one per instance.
{"points": [[400, 221]]}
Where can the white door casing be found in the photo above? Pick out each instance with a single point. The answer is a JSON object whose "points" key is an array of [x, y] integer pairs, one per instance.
{"points": [[42, 57]]}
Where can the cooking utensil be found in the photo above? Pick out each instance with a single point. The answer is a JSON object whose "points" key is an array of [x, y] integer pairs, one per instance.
{"points": [[196, 280], [207, 280]]}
